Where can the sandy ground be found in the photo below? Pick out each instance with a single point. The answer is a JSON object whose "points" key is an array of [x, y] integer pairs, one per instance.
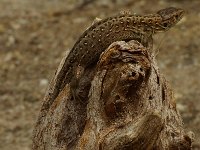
{"points": [[35, 35]]}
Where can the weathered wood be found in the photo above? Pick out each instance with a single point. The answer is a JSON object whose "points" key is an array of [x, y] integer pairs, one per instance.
{"points": [[130, 106]]}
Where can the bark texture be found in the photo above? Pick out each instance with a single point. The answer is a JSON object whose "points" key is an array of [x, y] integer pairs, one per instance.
{"points": [[123, 102]]}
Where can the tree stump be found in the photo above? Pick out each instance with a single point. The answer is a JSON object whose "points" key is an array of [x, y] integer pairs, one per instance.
{"points": [[129, 106]]}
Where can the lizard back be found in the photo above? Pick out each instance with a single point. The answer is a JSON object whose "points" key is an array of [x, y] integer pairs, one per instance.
{"points": [[100, 35]]}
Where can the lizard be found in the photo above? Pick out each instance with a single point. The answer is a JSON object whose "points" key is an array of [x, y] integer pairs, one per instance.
{"points": [[86, 51]]}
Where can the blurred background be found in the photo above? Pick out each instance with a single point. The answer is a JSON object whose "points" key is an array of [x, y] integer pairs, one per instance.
{"points": [[36, 34]]}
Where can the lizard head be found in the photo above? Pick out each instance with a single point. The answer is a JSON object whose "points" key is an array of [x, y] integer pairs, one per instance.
{"points": [[170, 16]]}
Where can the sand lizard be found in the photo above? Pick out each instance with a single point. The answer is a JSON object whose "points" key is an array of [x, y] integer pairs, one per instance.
{"points": [[101, 34]]}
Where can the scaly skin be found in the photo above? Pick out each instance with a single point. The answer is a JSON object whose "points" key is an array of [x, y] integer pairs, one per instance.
{"points": [[100, 35]]}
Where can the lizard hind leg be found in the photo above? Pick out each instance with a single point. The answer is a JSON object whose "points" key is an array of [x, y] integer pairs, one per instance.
{"points": [[77, 89], [80, 86], [73, 87], [96, 20]]}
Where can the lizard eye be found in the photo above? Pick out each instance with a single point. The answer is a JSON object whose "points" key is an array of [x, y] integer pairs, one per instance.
{"points": [[176, 17], [165, 24]]}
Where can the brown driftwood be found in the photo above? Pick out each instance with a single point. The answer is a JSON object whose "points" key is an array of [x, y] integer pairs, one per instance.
{"points": [[130, 106]]}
